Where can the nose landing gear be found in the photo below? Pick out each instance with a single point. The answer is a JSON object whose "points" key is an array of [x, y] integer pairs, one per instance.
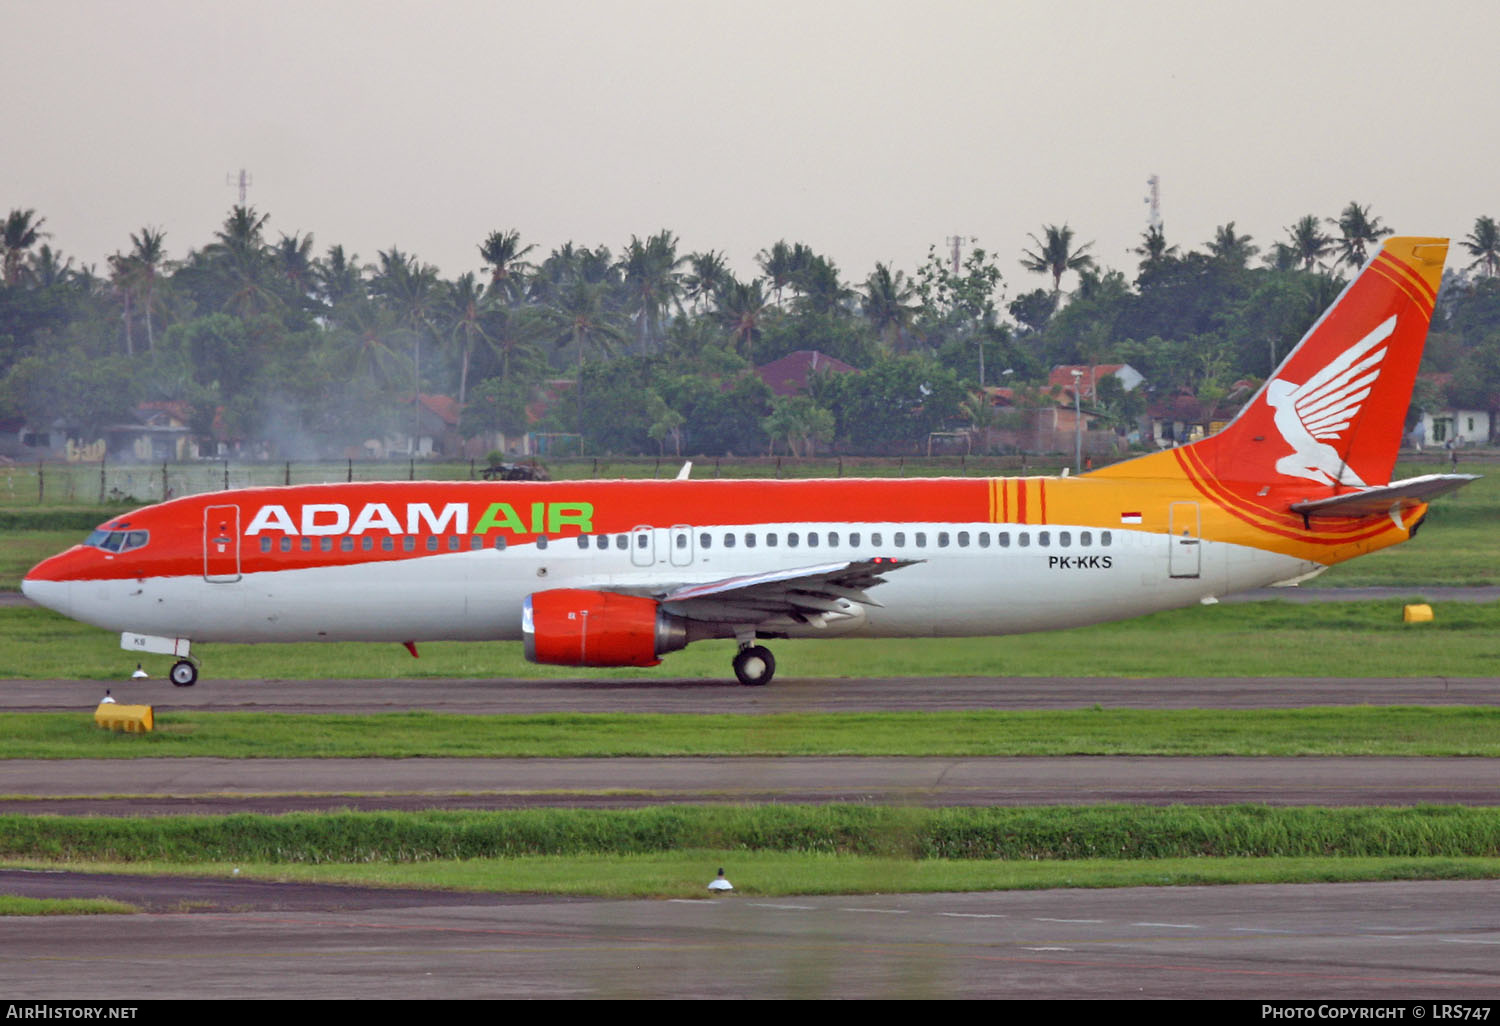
{"points": [[184, 674], [754, 665]]}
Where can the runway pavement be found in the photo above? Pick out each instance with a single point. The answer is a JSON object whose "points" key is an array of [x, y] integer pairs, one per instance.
{"points": [[1326, 941], [787, 694]]}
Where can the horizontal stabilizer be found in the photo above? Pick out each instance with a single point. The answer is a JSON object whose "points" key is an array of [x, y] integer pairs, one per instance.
{"points": [[1380, 500]]}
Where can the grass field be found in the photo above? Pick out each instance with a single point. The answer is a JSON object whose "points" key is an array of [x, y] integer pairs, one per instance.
{"points": [[1326, 639], [781, 850]]}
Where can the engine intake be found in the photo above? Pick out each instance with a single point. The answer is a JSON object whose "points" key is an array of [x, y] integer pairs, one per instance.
{"points": [[575, 627]]}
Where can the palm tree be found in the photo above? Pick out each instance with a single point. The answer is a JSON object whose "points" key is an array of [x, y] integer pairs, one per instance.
{"points": [[1357, 230], [582, 318], [148, 257], [123, 278], [1307, 244], [709, 273], [1056, 256], [22, 229], [239, 258], [821, 289], [742, 309], [503, 253], [779, 265], [652, 282], [338, 277], [466, 304], [887, 304], [49, 268], [295, 261], [1153, 248], [1483, 244], [1232, 249]]}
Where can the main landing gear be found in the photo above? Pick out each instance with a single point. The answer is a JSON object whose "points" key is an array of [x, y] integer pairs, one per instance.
{"points": [[754, 665], [184, 674]]}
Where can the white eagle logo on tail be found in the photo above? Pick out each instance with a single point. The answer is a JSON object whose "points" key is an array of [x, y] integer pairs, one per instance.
{"points": [[1323, 406]]}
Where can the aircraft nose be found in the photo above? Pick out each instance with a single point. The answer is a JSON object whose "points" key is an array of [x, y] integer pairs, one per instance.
{"points": [[55, 595]]}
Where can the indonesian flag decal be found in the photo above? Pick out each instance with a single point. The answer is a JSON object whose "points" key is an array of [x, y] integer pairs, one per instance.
{"points": [[1130, 518], [1320, 409]]}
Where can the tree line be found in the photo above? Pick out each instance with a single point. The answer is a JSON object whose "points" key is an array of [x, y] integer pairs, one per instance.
{"points": [[652, 349]]}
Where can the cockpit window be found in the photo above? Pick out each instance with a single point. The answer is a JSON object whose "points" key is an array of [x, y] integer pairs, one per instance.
{"points": [[118, 541]]}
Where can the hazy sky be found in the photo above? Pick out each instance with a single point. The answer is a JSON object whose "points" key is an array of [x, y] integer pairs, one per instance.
{"points": [[868, 130]]}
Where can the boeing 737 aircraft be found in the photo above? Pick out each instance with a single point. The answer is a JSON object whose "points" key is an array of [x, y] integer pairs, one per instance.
{"points": [[620, 573]]}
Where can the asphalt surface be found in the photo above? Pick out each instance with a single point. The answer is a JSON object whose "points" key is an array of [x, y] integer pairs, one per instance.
{"points": [[785, 695], [1354, 942]]}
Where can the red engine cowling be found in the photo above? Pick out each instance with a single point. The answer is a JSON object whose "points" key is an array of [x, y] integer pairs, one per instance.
{"points": [[573, 627]]}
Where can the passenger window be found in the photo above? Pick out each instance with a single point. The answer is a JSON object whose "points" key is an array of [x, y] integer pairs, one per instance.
{"points": [[963, 539], [921, 539], [812, 539], [1003, 538], [367, 543], [942, 539], [265, 545], [601, 542], [583, 541], [833, 539], [432, 543], [1085, 538], [1044, 538], [681, 540], [900, 539], [854, 540], [499, 543], [750, 539], [642, 540], [1104, 537], [705, 540], [306, 544], [346, 543], [325, 544], [541, 541], [771, 539], [388, 544], [875, 539], [476, 543], [1023, 539], [1064, 539], [791, 539], [409, 543], [621, 542], [729, 541], [286, 545]]}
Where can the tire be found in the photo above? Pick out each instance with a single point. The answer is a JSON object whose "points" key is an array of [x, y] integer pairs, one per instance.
{"points": [[184, 674], [755, 666]]}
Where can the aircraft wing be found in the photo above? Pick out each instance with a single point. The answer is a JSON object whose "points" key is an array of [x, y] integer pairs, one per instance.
{"points": [[1382, 499], [818, 595]]}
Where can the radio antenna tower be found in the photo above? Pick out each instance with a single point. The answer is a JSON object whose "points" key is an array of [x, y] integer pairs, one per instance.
{"points": [[1154, 200], [243, 180], [957, 241]]}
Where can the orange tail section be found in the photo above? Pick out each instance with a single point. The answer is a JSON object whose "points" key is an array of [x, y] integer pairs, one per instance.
{"points": [[1330, 419]]}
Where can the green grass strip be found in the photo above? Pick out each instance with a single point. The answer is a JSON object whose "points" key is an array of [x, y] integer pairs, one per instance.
{"points": [[10, 905], [1343, 730], [1334, 639], [1022, 834], [685, 874]]}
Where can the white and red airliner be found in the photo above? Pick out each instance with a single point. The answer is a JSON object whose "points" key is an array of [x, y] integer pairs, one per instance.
{"points": [[619, 573]]}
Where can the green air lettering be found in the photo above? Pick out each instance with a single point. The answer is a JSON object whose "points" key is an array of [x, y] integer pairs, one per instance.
{"points": [[571, 514], [501, 515], [536, 516]]}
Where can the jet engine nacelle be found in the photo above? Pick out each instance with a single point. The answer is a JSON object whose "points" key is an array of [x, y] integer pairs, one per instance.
{"points": [[574, 627]]}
